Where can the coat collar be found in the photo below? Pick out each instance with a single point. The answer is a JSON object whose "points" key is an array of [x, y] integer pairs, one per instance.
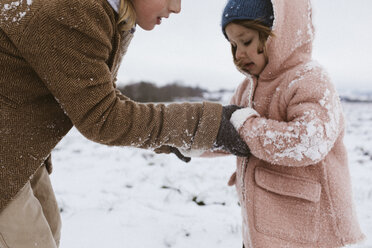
{"points": [[114, 4]]}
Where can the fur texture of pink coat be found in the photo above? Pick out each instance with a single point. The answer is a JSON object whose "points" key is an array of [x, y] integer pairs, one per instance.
{"points": [[295, 189]]}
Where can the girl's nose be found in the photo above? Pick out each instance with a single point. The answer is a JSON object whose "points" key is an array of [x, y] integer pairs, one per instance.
{"points": [[240, 53], [175, 6]]}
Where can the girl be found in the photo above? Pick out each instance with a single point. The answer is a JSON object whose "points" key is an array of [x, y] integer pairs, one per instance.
{"points": [[58, 61], [295, 188]]}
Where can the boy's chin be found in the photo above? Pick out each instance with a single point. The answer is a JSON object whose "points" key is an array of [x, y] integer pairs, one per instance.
{"points": [[147, 27]]}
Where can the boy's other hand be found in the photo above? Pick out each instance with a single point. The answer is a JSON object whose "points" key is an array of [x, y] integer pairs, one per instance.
{"points": [[171, 149]]}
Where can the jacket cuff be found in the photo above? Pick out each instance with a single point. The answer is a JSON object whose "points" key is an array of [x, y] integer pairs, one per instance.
{"points": [[208, 127], [240, 116]]}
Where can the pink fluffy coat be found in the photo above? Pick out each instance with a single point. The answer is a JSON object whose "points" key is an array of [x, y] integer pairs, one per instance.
{"points": [[295, 190]]}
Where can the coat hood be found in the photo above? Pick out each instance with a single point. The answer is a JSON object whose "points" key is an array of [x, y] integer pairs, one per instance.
{"points": [[293, 31]]}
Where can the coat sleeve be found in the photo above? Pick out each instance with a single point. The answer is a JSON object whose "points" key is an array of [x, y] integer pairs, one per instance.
{"points": [[69, 50], [314, 121]]}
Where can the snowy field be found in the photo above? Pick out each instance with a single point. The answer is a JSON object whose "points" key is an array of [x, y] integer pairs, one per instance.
{"points": [[130, 198]]}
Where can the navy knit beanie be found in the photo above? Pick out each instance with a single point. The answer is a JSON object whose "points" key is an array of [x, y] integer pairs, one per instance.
{"points": [[261, 10]]}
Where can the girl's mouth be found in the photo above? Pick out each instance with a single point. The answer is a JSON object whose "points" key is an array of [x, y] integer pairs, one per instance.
{"points": [[158, 21], [248, 66]]}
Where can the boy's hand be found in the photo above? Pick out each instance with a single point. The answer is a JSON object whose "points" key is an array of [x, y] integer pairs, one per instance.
{"points": [[171, 149], [228, 138]]}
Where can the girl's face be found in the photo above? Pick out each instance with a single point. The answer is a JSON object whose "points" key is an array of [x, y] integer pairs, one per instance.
{"points": [[249, 54], [150, 12]]}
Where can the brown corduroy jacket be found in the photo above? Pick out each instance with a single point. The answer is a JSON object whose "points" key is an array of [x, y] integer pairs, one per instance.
{"points": [[58, 63]]}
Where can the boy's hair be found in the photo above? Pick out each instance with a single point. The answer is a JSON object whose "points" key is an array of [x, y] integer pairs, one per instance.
{"points": [[127, 15], [264, 33]]}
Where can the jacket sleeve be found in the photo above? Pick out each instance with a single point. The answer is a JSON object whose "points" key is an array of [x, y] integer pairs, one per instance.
{"points": [[314, 122], [235, 100], [69, 50]]}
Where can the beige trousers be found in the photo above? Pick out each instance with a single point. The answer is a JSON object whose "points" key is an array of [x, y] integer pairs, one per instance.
{"points": [[32, 219]]}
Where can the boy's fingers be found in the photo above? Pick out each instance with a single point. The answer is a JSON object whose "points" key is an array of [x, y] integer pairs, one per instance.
{"points": [[179, 155]]}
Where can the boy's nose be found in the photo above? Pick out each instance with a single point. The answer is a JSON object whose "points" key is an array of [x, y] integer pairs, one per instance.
{"points": [[175, 6]]}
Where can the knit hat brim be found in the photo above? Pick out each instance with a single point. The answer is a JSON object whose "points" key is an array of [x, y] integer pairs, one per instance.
{"points": [[258, 10]]}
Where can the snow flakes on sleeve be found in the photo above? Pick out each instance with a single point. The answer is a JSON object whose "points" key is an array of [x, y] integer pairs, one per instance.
{"points": [[15, 10], [301, 74], [331, 103], [304, 141]]}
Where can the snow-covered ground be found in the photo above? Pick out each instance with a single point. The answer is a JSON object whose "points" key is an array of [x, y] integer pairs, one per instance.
{"points": [[130, 198]]}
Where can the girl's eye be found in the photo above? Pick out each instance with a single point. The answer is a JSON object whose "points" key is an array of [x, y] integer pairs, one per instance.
{"points": [[247, 43]]}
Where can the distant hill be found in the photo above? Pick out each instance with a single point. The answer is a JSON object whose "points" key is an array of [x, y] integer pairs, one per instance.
{"points": [[356, 96], [177, 92], [149, 92]]}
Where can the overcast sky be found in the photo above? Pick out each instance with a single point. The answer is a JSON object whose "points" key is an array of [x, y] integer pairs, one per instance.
{"points": [[190, 48]]}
